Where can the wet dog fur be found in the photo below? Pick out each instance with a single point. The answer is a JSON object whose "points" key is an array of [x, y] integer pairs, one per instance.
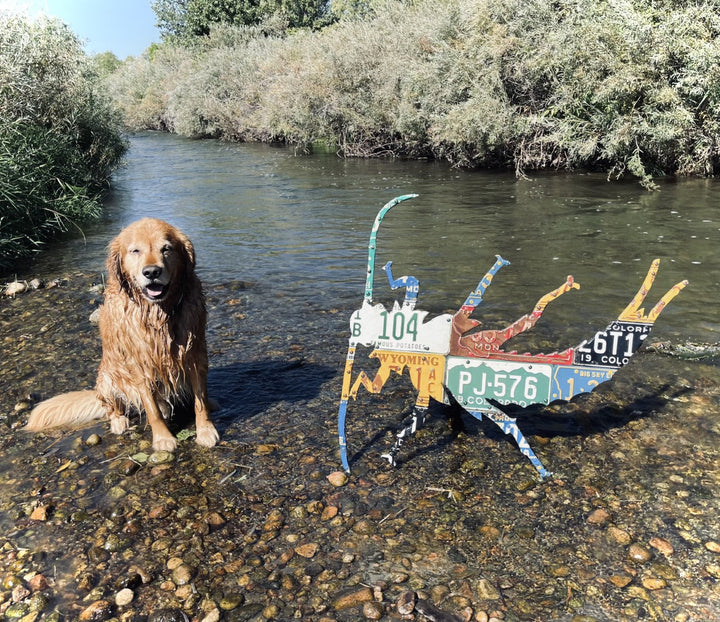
{"points": [[152, 327]]}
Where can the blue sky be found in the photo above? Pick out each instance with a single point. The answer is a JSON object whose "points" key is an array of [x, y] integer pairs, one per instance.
{"points": [[123, 27]]}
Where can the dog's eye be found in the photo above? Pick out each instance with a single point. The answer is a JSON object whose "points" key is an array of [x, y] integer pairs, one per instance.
{"points": [[166, 250], [134, 251]]}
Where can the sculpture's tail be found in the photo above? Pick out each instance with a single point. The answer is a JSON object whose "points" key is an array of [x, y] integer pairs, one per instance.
{"points": [[67, 410]]}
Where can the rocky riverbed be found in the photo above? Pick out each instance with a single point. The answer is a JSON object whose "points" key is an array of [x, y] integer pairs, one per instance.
{"points": [[265, 527]]}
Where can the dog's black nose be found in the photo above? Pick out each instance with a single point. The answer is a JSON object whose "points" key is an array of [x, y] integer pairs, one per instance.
{"points": [[152, 272]]}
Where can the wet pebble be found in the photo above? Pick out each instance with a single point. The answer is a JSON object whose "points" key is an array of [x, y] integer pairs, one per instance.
{"points": [[11, 581], [37, 602], [38, 583], [41, 513], [364, 527], [114, 543], [713, 546], [486, 590], [662, 545], [620, 536], [161, 457], [439, 593], [128, 467], [653, 583], [124, 597], [231, 601], [183, 574], [620, 580], [353, 599], [16, 611], [372, 610], [212, 616], [307, 550], [405, 604], [167, 615], [338, 478], [99, 610], [19, 593], [15, 288], [639, 553], [92, 440], [713, 570], [599, 517], [433, 613]]}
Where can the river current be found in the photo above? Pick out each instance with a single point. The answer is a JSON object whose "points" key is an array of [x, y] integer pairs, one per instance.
{"points": [[298, 226]]}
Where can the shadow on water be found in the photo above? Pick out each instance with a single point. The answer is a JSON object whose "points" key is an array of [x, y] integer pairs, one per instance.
{"points": [[585, 415], [587, 420], [245, 390]]}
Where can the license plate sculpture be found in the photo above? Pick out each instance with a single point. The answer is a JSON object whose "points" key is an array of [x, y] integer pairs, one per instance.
{"points": [[449, 355]]}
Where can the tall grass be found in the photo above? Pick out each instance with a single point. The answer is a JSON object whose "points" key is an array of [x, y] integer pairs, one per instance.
{"points": [[625, 86], [59, 138]]}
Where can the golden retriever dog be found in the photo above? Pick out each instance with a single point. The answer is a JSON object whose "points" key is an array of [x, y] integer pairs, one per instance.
{"points": [[152, 327]]}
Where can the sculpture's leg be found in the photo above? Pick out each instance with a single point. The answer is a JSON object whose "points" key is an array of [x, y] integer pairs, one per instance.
{"points": [[347, 376], [496, 338], [633, 312], [341, 435], [373, 386], [475, 298], [509, 426], [671, 293], [550, 296], [415, 422]]}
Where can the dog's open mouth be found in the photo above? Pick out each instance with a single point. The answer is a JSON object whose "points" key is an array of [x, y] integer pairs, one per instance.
{"points": [[155, 292]]}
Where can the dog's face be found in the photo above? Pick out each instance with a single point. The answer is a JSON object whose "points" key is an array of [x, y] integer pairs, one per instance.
{"points": [[150, 257]]}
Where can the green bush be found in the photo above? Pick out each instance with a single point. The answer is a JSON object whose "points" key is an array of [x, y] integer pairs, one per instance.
{"points": [[629, 87], [59, 138]]}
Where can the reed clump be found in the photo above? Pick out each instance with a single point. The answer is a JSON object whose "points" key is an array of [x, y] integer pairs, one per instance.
{"points": [[59, 137], [625, 86]]}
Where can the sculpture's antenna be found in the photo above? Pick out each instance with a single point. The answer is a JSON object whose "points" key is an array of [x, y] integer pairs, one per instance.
{"points": [[372, 244]]}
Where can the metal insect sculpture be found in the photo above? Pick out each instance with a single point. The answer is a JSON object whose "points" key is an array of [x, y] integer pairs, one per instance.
{"points": [[448, 355]]}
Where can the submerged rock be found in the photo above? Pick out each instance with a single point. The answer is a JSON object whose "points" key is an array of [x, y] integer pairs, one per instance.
{"points": [[462, 528]]}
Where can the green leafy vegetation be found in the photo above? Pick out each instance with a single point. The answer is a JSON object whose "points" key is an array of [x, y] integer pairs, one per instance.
{"points": [[181, 21], [629, 87], [59, 138]]}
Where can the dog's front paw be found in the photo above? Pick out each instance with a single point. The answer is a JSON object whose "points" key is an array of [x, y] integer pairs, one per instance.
{"points": [[206, 435], [118, 424], [164, 443]]}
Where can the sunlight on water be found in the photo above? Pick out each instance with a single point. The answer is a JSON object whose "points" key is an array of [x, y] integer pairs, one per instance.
{"points": [[299, 225]]}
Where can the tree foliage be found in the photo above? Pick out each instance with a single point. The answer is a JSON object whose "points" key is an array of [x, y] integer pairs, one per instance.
{"points": [[184, 20], [625, 86]]}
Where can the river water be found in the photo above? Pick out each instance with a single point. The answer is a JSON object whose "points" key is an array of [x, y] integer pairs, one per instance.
{"points": [[298, 226], [626, 529]]}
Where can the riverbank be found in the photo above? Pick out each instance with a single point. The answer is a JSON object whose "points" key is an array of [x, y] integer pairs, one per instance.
{"points": [[627, 88], [98, 527], [60, 139]]}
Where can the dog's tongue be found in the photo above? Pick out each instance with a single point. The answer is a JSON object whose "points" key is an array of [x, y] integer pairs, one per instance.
{"points": [[155, 290]]}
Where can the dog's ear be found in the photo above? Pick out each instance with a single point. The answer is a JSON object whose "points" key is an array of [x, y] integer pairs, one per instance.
{"points": [[114, 263], [188, 251]]}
